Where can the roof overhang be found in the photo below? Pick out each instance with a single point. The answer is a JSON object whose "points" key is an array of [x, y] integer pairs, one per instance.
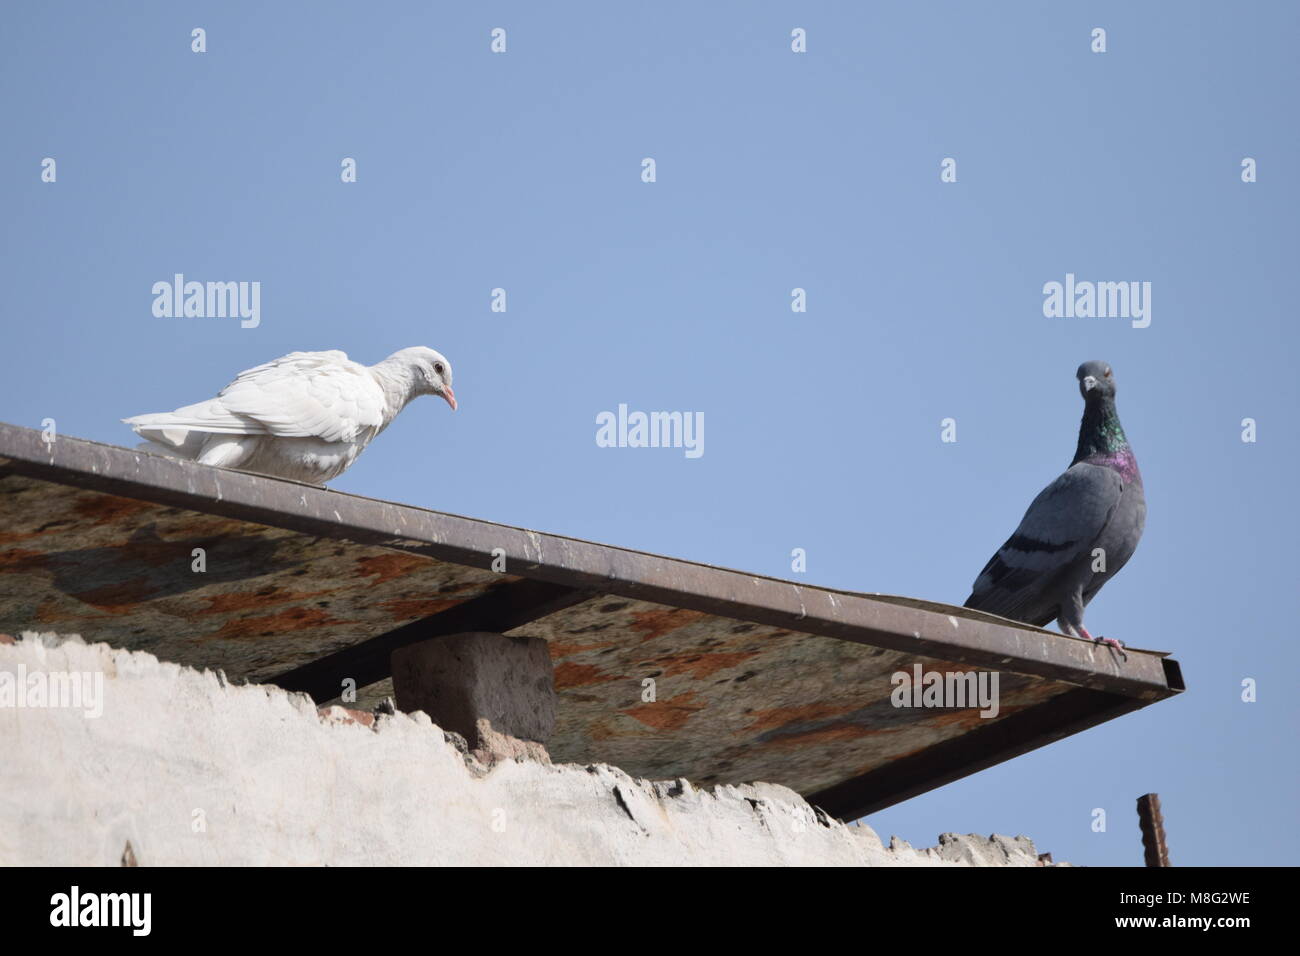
{"points": [[754, 678]]}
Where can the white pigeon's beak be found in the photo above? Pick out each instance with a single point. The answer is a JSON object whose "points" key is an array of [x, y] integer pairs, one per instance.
{"points": [[449, 395], [1089, 383]]}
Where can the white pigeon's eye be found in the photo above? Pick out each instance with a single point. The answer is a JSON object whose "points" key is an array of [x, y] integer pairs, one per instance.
{"points": [[437, 367]]}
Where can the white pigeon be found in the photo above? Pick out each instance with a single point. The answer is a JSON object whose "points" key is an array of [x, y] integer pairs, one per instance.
{"points": [[306, 416]]}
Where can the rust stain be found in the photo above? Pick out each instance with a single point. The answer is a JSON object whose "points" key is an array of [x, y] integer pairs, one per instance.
{"points": [[386, 567], [660, 621], [20, 559], [48, 612], [249, 600], [9, 537], [101, 509], [603, 729], [671, 714], [569, 674], [705, 665], [285, 622], [120, 597], [776, 717]]}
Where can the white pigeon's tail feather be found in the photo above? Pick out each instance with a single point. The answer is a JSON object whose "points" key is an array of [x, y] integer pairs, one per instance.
{"points": [[184, 431], [157, 448], [157, 430], [173, 438], [211, 416]]}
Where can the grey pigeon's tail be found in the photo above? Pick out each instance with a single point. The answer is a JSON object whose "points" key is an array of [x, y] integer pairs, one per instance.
{"points": [[1011, 592]]}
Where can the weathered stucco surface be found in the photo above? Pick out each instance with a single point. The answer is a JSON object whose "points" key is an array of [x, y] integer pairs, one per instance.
{"points": [[188, 769]]}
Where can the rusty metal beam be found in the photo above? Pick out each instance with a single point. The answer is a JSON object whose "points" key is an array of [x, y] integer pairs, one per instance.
{"points": [[940, 632], [511, 605]]}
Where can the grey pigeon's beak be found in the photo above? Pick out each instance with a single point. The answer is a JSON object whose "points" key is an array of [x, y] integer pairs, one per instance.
{"points": [[1089, 383]]}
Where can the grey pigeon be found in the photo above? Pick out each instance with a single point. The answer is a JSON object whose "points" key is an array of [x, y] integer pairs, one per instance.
{"points": [[305, 416], [1079, 531]]}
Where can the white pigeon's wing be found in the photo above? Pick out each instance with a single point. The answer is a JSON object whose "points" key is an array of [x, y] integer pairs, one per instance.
{"points": [[300, 395], [307, 395], [1061, 523]]}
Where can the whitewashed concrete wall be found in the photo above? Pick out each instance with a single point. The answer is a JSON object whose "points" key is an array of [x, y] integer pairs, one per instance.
{"points": [[190, 770]]}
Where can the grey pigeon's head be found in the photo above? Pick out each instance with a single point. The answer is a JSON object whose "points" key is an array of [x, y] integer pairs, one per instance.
{"points": [[1096, 381], [431, 370]]}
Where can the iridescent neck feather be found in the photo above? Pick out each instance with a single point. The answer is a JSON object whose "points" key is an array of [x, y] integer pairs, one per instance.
{"points": [[1102, 440]]}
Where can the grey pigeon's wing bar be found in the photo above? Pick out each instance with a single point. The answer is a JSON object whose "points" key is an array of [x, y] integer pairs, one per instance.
{"points": [[756, 678]]}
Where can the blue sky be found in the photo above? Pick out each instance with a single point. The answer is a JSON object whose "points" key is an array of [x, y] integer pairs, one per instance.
{"points": [[775, 170]]}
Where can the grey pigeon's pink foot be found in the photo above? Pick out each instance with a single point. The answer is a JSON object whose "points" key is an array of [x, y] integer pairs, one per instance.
{"points": [[1108, 641]]}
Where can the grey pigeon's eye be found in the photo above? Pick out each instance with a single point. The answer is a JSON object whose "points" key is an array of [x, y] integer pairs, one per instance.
{"points": [[437, 367], [1108, 373]]}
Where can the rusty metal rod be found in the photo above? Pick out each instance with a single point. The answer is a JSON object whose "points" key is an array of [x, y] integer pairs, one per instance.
{"points": [[1152, 821]]}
